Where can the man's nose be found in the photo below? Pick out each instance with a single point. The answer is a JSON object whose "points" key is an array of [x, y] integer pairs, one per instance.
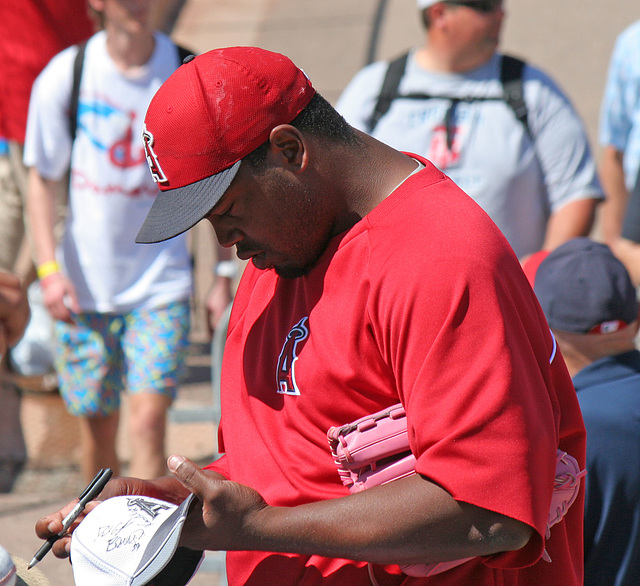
{"points": [[227, 236]]}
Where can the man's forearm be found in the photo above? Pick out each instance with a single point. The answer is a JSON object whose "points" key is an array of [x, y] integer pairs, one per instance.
{"points": [[40, 214], [613, 181], [407, 521], [570, 221]]}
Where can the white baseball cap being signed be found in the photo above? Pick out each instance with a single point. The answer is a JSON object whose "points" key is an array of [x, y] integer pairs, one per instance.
{"points": [[422, 4], [133, 541]]}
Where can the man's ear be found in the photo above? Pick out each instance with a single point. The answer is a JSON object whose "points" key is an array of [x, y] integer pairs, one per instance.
{"points": [[288, 147], [436, 12]]}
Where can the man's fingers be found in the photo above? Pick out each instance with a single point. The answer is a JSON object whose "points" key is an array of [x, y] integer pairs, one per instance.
{"points": [[50, 525]]}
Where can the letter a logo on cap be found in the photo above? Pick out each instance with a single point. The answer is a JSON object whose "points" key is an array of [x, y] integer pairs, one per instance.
{"points": [[154, 166]]}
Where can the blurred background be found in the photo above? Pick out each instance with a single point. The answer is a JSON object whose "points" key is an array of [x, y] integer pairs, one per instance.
{"points": [[331, 40]]}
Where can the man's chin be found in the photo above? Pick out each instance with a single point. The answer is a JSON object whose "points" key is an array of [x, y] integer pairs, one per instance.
{"points": [[286, 271], [291, 272]]}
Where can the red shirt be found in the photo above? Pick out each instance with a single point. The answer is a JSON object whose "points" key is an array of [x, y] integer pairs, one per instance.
{"points": [[31, 33], [422, 301]]}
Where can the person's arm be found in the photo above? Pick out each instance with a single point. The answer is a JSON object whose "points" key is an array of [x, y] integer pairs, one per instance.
{"points": [[14, 311], [568, 167], [571, 220], [221, 292], [58, 293], [613, 181], [614, 210], [428, 524]]}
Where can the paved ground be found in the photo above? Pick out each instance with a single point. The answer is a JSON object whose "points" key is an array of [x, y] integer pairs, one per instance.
{"points": [[51, 477], [331, 40]]}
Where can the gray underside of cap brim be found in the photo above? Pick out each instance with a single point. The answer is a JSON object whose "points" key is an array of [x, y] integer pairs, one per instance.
{"points": [[162, 545], [175, 211]]}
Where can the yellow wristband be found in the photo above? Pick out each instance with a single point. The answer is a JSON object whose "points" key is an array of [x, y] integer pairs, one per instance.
{"points": [[46, 269]]}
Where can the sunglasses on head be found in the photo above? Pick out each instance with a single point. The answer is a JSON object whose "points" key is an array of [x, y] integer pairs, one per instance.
{"points": [[477, 5]]}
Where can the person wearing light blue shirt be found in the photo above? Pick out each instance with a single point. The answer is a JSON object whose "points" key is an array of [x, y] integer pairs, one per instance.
{"points": [[619, 136]]}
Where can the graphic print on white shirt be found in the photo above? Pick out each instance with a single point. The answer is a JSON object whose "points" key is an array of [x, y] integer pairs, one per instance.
{"points": [[440, 154]]}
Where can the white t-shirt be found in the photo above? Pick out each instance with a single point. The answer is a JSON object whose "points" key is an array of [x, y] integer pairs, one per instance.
{"points": [[491, 157], [111, 187]]}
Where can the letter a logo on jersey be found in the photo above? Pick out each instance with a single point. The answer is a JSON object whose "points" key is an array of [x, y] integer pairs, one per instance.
{"points": [[154, 166], [286, 375]]}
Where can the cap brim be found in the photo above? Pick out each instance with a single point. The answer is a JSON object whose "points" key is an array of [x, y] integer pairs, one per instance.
{"points": [[180, 569], [176, 210], [159, 555]]}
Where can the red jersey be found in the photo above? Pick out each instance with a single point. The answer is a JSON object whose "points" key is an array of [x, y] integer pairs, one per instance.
{"points": [[31, 33], [422, 301]]}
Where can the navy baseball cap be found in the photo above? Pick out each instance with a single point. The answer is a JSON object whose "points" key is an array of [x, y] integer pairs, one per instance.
{"points": [[583, 288]]}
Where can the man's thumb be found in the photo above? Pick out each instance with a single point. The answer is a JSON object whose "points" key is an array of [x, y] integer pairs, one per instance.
{"points": [[188, 473]]}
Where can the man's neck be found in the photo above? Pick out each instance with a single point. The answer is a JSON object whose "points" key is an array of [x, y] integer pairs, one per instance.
{"points": [[373, 173], [130, 51], [440, 60], [581, 350]]}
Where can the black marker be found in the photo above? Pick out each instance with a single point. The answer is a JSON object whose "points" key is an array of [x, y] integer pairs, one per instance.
{"points": [[93, 489]]}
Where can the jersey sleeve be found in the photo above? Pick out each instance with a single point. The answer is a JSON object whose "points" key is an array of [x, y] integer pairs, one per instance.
{"points": [[474, 375], [48, 142], [220, 466], [561, 142]]}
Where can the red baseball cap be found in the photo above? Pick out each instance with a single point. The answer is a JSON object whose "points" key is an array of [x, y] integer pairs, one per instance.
{"points": [[214, 110]]}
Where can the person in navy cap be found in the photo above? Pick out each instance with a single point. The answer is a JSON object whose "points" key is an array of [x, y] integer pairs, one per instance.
{"points": [[591, 306]]}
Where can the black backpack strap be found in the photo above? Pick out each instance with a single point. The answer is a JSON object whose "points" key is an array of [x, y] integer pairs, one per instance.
{"points": [[183, 53], [511, 70], [389, 89], [75, 90]]}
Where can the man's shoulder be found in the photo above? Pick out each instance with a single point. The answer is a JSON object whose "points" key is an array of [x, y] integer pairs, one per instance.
{"points": [[63, 58], [530, 71], [57, 74], [368, 79], [539, 81], [614, 373], [430, 211], [630, 37]]}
